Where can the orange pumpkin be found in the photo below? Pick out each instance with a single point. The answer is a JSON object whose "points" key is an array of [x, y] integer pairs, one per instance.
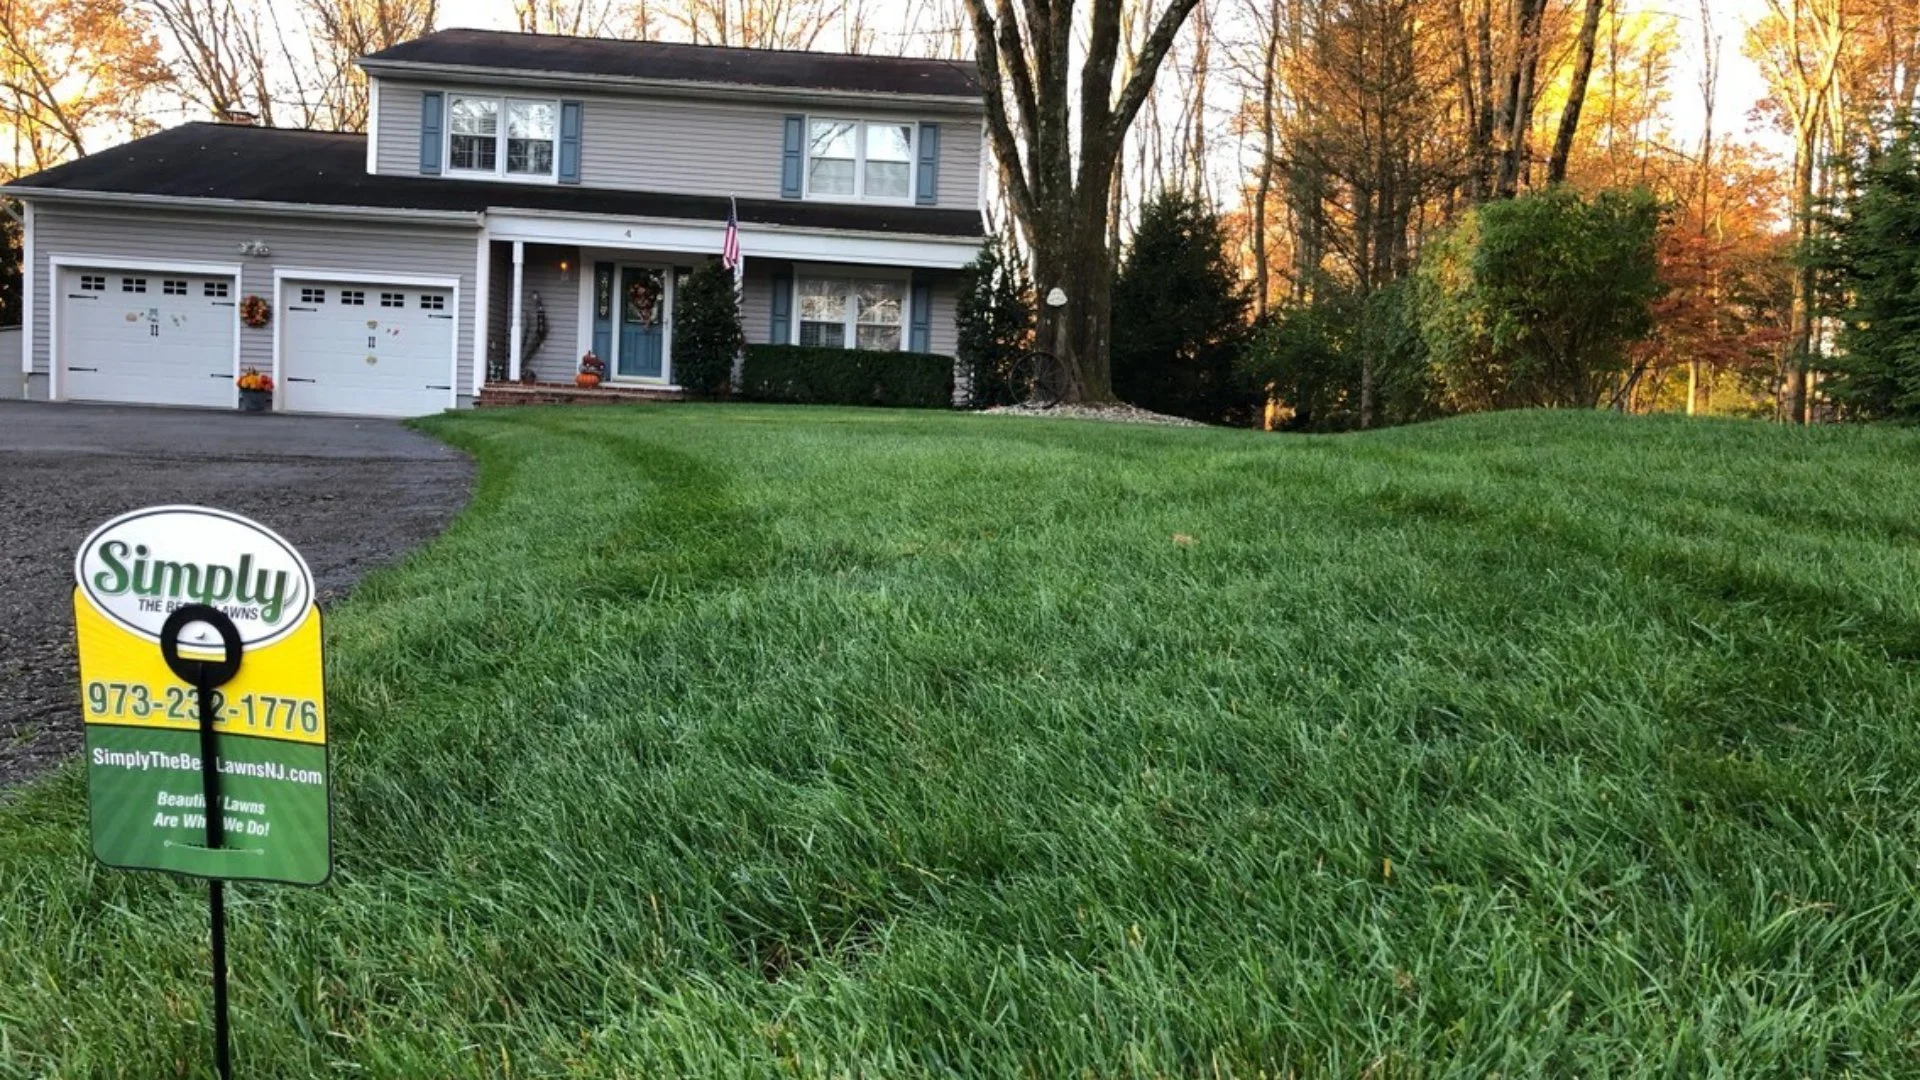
{"points": [[586, 379]]}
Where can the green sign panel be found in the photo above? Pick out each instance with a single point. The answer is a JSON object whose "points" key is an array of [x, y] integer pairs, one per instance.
{"points": [[146, 759]]}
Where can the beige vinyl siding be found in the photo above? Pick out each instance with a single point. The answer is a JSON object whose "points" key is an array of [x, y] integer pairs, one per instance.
{"points": [[398, 131], [681, 145], [559, 293], [756, 298], [317, 246], [942, 336]]}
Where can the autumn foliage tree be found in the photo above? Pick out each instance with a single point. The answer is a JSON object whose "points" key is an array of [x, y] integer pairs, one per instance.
{"points": [[71, 70]]}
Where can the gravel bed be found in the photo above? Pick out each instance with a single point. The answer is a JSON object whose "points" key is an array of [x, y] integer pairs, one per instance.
{"points": [[1116, 414]]}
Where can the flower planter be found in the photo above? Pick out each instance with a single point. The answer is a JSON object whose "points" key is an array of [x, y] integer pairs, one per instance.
{"points": [[256, 401]]}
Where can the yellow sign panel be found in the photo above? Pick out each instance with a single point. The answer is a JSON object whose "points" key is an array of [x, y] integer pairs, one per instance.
{"points": [[125, 682]]}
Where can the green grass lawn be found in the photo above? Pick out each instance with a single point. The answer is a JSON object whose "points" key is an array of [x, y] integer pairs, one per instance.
{"points": [[752, 741]]}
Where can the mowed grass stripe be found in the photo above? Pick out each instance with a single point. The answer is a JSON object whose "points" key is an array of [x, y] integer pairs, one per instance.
{"points": [[759, 741]]}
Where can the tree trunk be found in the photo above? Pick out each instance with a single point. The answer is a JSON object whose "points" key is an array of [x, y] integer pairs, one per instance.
{"points": [[1063, 210], [1264, 189], [1576, 93], [1793, 391], [1517, 116]]}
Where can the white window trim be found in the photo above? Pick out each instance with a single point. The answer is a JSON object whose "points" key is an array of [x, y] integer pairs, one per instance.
{"points": [[860, 160], [499, 171], [852, 318]]}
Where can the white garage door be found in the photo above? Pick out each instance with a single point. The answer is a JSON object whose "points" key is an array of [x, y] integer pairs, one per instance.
{"points": [[148, 337], [366, 350]]}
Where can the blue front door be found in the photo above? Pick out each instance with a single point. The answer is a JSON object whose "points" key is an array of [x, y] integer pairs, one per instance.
{"points": [[643, 308]]}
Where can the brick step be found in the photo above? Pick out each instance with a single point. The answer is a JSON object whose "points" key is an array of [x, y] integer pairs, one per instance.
{"points": [[493, 394]]}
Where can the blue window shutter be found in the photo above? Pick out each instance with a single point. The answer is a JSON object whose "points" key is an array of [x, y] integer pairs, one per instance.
{"points": [[792, 157], [920, 321], [782, 331], [603, 311], [432, 109], [569, 142], [927, 184]]}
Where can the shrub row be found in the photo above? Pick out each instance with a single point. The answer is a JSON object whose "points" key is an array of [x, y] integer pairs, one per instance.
{"points": [[808, 375]]}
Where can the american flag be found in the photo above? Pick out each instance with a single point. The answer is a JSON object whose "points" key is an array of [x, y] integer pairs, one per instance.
{"points": [[730, 247]]}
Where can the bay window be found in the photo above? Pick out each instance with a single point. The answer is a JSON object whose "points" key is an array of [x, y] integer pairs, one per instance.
{"points": [[838, 313], [523, 147], [860, 159]]}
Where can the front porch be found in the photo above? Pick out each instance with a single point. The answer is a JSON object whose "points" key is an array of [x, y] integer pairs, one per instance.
{"points": [[558, 287]]}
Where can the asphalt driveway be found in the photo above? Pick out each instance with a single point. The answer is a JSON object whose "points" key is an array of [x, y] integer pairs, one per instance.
{"points": [[351, 495]]}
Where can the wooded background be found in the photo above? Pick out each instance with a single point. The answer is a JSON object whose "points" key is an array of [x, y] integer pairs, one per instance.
{"points": [[1331, 141]]}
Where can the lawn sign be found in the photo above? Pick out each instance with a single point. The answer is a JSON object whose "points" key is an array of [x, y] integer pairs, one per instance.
{"points": [[202, 687]]}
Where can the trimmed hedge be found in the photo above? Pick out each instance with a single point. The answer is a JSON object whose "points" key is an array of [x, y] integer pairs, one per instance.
{"points": [[808, 375]]}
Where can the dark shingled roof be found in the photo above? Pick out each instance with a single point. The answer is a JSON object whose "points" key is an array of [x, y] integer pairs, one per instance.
{"points": [[275, 165], [687, 63]]}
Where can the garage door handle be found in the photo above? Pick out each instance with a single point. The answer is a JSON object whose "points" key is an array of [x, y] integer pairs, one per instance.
{"points": [[72, 368], [291, 308], [291, 378], [439, 316], [81, 296], [443, 386], [219, 374]]}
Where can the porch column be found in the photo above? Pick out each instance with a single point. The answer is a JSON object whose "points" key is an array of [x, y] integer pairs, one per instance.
{"points": [[513, 341]]}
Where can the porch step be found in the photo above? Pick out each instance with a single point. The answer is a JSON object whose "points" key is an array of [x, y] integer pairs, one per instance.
{"points": [[493, 394]]}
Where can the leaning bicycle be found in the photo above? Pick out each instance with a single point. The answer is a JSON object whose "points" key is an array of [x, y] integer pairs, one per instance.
{"points": [[1039, 380]]}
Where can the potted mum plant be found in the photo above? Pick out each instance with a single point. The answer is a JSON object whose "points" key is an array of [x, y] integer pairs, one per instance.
{"points": [[592, 369], [256, 391]]}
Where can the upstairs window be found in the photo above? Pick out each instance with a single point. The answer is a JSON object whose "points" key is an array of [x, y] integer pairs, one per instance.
{"points": [[474, 134], [506, 137], [531, 126], [852, 159]]}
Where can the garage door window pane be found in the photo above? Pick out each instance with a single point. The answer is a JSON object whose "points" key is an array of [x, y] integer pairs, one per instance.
{"points": [[393, 299], [173, 288], [353, 297], [313, 296], [433, 302], [216, 288], [93, 283], [133, 284]]}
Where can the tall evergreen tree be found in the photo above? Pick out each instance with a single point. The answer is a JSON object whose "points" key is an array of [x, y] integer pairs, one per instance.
{"points": [[994, 320], [1180, 314], [1875, 264]]}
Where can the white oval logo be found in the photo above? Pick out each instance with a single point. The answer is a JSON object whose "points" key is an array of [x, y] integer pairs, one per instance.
{"points": [[139, 567]]}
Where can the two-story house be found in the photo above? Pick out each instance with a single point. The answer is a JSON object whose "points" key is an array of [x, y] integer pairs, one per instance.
{"points": [[517, 201]]}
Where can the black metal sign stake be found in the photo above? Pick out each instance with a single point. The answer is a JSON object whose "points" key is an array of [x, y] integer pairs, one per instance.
{"points": [[206, 676]]}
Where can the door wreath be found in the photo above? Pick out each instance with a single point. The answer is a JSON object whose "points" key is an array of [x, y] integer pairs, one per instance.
{"points": [[643, 300], [255, 311]]}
